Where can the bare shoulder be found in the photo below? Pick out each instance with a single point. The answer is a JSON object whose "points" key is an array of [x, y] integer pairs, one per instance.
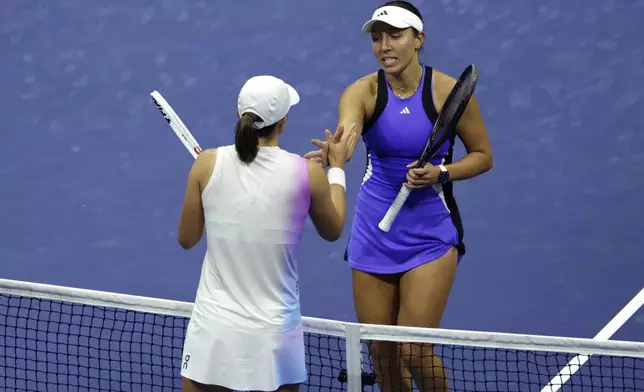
{"points": [[365, 86], [203, 166], [209, 152], [207, 157], [359, 99], [442, 84], [442, 77]]}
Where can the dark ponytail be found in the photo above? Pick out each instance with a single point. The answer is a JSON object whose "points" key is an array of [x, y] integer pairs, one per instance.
{"points": [[246, 139], [247, 136]]}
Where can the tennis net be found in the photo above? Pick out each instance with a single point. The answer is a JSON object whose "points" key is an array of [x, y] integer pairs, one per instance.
{"points": [[69, 339]]}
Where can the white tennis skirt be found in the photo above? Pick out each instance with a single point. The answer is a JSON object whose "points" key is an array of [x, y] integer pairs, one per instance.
{"points": [[243, 359]]}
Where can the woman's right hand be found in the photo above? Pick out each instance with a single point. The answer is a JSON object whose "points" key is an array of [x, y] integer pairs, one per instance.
{"points": [[337, 145]]}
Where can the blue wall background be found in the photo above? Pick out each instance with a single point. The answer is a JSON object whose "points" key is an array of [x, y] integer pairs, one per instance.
{"points": [[92, 178]]}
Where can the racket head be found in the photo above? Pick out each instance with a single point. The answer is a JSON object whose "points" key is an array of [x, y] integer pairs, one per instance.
{"points": [[451, 112]]}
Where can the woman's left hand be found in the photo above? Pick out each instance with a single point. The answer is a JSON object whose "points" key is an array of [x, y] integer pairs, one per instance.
{"points": [[422, 177]]}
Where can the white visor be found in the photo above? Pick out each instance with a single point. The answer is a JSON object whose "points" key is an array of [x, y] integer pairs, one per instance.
{"points": [[268, 97], [394, 16]]}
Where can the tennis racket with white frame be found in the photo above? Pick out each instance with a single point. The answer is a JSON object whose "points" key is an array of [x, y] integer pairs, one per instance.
{"points": [[176, 124]]}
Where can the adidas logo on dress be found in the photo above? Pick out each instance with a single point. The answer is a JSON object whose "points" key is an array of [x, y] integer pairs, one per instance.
{"points": [[405, 111]]}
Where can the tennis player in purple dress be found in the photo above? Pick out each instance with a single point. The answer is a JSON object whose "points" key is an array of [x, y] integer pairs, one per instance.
{"points": [[404, 276]]}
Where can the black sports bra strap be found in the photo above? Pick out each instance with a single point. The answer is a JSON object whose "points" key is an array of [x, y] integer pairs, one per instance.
{"points": [[428, 98], [381, 102]]}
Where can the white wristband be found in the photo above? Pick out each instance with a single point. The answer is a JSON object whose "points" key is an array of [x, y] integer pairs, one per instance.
{"points": [[336, 176]]}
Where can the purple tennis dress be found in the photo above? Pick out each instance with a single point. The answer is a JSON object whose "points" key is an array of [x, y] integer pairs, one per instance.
{"points": [[429, 223]]}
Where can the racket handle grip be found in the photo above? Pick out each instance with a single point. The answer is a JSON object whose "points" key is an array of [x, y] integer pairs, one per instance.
{"points": [[394, 209]]}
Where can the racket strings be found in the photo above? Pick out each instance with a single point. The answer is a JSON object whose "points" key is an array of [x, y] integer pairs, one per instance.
{"points": [[455, 106], [453, 109]]}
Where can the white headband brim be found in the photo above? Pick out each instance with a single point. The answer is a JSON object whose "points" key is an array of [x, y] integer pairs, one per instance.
{"points": [[394, 16]]}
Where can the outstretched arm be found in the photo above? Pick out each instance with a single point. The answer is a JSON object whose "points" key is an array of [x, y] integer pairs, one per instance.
{"points": [[328, 208], [328, 204], [351, 113], [351, 110]]}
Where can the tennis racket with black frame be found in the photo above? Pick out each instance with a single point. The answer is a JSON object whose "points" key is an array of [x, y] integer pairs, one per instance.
{"points": [[443, 130]]}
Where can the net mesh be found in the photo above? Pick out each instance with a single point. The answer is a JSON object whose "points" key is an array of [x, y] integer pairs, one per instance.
{"points": [[58, 345], [69, 346], [463, 368], [51, 340]]}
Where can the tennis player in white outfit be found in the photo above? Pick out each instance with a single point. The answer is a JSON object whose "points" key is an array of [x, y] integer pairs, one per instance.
{"points": [[252, 199]]}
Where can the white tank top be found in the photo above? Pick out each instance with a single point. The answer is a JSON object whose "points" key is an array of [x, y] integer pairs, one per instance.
{"points": [[255, 215]]}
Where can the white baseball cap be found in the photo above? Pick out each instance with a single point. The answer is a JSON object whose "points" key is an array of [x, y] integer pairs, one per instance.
{"points": [[267, 97], [395, 16]]}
